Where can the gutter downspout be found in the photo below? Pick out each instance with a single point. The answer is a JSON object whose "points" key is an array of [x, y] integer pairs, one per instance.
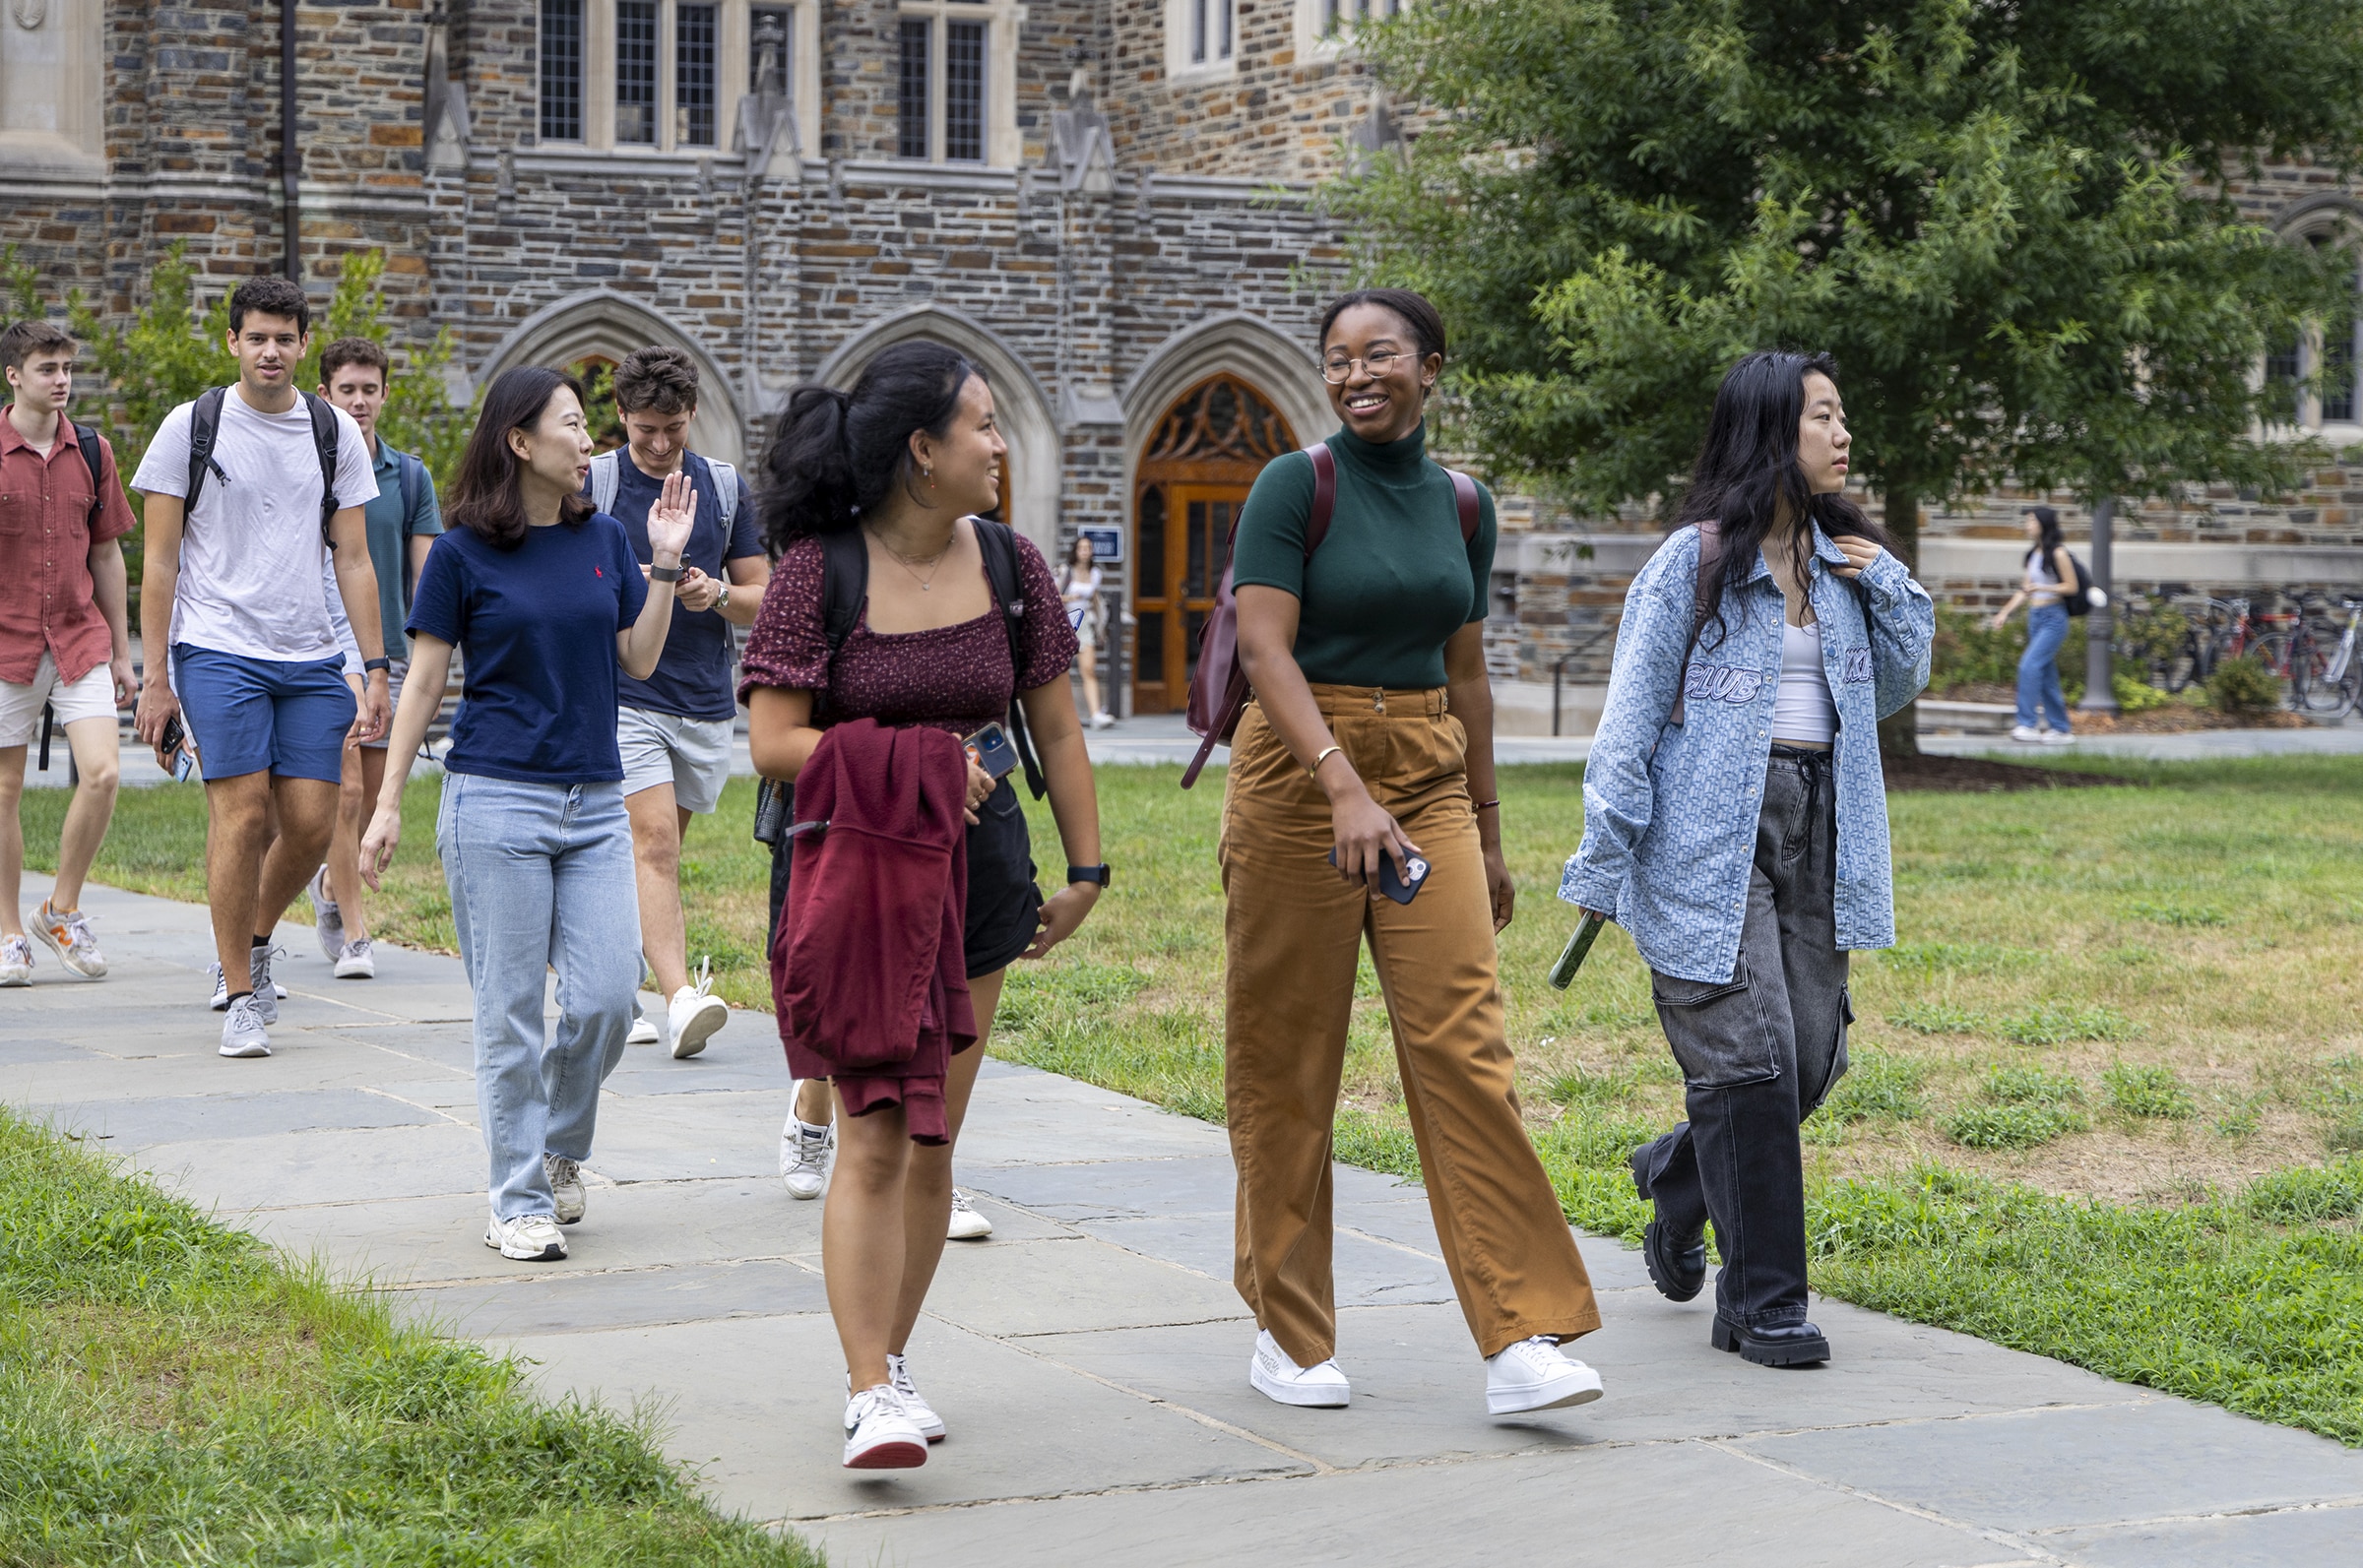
{"points": [[291, 161]]}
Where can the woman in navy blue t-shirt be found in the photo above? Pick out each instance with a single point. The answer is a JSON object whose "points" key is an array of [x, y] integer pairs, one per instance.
{"points": [[547, 600]]}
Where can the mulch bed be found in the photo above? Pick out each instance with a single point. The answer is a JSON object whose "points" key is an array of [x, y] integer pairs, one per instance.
{"points": [[1933, 775]]}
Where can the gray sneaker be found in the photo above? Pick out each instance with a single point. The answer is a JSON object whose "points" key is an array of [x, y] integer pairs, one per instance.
{"points": [[213, 972], [357, 962], [328, 921], [266, 994], [243, 1032], [565, 1187]]}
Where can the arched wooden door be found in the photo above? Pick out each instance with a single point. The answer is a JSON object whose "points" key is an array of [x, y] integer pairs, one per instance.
{"points": [[1185, 496]]}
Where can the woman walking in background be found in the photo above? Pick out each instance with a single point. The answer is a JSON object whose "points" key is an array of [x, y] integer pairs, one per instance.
{"points": [[883, 483], [545, 598], [1369, 753], [2050, 576], [1082, 594], [1734, 823]]}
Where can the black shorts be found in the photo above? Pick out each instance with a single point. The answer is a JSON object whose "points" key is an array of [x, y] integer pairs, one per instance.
{"points": [[1003, 904]]}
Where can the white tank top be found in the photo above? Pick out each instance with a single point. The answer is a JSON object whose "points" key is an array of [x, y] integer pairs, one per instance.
{"points": [[1802, 709]]}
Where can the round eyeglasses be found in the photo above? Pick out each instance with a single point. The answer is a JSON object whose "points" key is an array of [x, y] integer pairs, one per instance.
{"points": [[1337, 372]]}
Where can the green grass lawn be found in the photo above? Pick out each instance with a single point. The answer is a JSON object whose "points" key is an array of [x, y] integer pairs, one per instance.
{"points": [[172, 1392], [2105, 1095]]}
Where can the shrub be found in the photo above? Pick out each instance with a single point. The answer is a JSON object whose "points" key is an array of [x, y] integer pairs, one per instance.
{"points": [[2139, 1090], [2018, 1126], [2243, 685]]}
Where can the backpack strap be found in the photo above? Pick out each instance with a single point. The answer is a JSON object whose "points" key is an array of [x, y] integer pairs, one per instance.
{"points": [[1702, 599], [606, 479], [410, 473], [324, 440], [997, 543], [844, 584], [87, 439], [205, 427], [1324, 497], [1464, 496], [726, 499]]}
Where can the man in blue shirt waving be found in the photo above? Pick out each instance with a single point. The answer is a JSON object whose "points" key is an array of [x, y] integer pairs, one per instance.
{"points": [[674, 728]]}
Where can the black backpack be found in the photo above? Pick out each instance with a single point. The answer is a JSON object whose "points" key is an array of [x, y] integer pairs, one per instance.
{"points": [[845, 580], [205, 427], [2079, 596]]}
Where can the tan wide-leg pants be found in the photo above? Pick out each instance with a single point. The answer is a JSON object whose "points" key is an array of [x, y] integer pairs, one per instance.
{"points": [[1293, 932]]}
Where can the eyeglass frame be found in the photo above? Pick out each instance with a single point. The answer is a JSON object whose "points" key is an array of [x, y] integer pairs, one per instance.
{"points": [[1366, 361]]}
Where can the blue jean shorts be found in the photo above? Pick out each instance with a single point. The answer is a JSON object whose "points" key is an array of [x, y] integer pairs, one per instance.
{"points": [[287, 717]]}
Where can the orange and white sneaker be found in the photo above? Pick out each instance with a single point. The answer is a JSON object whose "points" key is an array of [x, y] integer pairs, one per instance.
{"points": [[68, 935]]}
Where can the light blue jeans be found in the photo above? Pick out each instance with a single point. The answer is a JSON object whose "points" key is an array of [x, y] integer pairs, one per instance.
{"points": [[2039, 667], [540, 878]]}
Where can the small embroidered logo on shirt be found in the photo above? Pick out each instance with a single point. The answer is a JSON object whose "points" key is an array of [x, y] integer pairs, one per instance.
{"points": [[599, 571], [1722, 683]]}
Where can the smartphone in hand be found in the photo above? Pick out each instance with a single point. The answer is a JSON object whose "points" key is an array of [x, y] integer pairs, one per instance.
{"points": [[991, 749], [1395, 886], [175, 743]]}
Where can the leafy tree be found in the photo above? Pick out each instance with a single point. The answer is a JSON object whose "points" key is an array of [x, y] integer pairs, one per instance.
{"points": [[418, 416], [2009, 221]]}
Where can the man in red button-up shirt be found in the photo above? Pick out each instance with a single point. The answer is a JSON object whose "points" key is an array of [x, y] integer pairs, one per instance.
{"points": [[65, 641]]}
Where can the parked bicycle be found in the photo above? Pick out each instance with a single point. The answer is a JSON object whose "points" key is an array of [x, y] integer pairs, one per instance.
{"points": [[2325, 675]]}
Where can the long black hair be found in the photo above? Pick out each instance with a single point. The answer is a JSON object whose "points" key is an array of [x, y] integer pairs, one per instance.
{"points": [[486, 494], [2048, 520], [834, 454], [1747, 475]]}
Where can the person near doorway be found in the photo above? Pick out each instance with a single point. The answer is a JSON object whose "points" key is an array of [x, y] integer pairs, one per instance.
{"points": [[65, 640], [1082, 594], [673, 727], [1368, 752], [231, 586], [545, 598], [403, 520], [1734, 823], [897, 469], [2049, 574]]}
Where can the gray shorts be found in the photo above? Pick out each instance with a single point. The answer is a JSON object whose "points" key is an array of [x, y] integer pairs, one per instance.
{"points": [[396, 668], [693, 755]]}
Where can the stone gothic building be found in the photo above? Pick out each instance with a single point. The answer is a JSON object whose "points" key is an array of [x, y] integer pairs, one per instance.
{"points": [[1106, 202]]}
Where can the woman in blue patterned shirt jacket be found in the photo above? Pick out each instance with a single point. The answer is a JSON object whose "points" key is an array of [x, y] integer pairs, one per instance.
{"points": [[1734, 823]]}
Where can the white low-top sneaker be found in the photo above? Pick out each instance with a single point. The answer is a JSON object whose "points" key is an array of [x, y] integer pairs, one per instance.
{"points": [[1537, 1375], [644, 1029], [357, 962], [565, 1187], [328, 921], [965, 1224], [242, 1030], [930, 1425], [532, 1240], [1276, 1377], [693, 1016], [16, 960], [2027, 734], [805, 1152], [2059, 738], [880, 1433]]}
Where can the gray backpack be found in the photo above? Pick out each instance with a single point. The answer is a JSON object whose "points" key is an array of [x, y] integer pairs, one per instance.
{"points": [[607, 482]]}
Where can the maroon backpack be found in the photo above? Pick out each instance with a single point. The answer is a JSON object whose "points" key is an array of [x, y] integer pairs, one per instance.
{"points": [[1218, 692]]}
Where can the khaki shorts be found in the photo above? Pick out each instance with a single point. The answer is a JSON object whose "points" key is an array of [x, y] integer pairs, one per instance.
{"points": [[693, 755], [91, 697]]}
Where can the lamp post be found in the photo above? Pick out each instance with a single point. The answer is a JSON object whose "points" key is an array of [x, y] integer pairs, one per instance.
{"points": [[2100, 684], [291, 161]]}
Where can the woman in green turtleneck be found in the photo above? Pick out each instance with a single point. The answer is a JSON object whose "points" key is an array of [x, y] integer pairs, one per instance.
{"points": [[1371, 741]]}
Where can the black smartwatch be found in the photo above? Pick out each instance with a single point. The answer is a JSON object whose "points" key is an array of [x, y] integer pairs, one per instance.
{"points": [[1088, 873], [370, 664]]}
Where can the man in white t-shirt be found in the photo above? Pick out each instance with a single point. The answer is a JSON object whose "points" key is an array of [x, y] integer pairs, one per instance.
{"points": [[232, 587]]}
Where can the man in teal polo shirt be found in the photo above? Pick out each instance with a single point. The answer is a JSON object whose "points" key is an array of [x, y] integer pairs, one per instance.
{"points": [[402, 522]]}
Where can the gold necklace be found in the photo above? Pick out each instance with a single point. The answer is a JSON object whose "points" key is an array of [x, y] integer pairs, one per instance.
{"points": [[926, 584]]}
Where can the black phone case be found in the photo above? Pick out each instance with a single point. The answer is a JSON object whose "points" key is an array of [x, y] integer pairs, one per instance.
{"points": [[1391, 884]]}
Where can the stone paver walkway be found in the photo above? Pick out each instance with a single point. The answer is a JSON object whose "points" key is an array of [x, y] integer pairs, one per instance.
{"points": [[1091, 1357]]}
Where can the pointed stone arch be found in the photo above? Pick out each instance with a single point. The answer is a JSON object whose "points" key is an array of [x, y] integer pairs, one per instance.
{"points": [[1254, 351], [601, 323], [1021, 406]]}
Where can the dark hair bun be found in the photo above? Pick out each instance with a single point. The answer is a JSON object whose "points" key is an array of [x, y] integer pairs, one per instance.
{"points": [[834, 454]]}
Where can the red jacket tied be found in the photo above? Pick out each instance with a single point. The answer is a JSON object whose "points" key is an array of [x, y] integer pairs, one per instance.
{"points": [[868, 972]]}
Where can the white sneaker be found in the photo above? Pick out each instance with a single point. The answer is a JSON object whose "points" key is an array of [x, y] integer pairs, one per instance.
{"points": [[357, 963], [1537, 1375], [328, 921], [1102, 720], [243, 1031], [805, 1152], [16, 960], [644, 1029], [2059, 738], [1277, 1378], [880, 1433], [565, 1187], [2028, 733], [532, 1239], [922, 1414], [68, 935], [966, 1225], [695, 1014]]}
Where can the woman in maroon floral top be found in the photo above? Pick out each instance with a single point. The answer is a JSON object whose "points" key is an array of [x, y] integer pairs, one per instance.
{"points": [[908, 457]]}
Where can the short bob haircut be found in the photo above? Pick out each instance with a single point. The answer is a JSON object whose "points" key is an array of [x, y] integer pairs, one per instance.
{"points": [[487, 498]]}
